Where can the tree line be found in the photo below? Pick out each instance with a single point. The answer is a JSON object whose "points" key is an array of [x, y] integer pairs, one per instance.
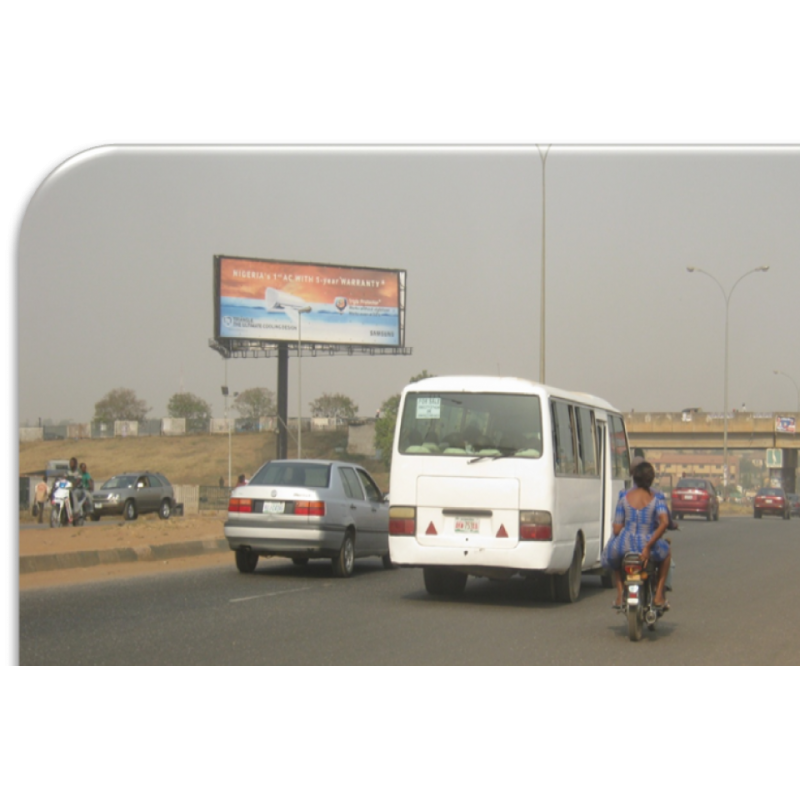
{"points": [[125, 405]]}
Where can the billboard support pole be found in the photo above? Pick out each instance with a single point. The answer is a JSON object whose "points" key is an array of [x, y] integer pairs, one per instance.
{"points": [[283, 400]]}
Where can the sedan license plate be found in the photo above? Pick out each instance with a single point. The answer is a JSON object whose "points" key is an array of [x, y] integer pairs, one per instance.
{"points": [[467, 525], [98, 505], [272, 508]]}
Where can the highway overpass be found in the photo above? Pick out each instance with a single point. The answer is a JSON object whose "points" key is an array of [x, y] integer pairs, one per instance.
{"points": [[700, 430]]}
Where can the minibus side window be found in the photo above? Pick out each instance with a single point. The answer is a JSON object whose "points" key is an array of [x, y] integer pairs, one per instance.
{"points": [[584, 419], [564, 444], [619, 447]]}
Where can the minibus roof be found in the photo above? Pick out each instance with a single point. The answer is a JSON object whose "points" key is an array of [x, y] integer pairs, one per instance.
{"points": [[503, 385]]}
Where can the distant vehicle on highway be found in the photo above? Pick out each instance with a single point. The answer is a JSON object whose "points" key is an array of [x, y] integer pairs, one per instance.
{"points": [[303, 509], [770, 500], [794, 504], [696, 496], [134, 493]]}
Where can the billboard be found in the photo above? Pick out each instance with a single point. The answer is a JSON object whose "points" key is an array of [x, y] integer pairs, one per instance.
{"points": [[259, 299], [785, 425]]}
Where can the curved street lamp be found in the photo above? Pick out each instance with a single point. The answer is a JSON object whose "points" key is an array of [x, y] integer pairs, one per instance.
{"points": [[727, 296], [797, 388]]}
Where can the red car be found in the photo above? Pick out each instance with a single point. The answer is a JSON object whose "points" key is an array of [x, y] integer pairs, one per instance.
{"points": [[771, 501], [695, 496]]}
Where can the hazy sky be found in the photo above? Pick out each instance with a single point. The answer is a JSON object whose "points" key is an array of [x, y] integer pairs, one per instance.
{"points": [[116, 251]]}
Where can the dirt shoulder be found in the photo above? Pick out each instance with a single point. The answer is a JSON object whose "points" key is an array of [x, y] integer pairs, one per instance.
{"points": [[115, 533], [147, 533]]}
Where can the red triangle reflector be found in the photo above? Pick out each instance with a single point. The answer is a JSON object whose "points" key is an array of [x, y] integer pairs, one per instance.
{"points": [[431, 530], [501, 534]]}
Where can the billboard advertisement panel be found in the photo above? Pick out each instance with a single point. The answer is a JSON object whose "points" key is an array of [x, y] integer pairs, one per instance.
{"points": [[785, 425], [264, 300]]}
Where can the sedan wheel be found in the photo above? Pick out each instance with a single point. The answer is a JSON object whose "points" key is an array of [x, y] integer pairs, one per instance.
{"points": [[246, 560], [343, 563]]}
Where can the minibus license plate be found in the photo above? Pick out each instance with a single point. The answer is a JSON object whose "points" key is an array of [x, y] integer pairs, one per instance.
{"points": [[273, 508], [466, 525]]}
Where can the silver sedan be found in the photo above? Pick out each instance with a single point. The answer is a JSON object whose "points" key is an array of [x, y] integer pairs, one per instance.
{"points": [[303, 509]]}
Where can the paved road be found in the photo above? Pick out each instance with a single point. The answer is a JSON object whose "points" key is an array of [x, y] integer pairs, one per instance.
{"points": [[736, 601]]}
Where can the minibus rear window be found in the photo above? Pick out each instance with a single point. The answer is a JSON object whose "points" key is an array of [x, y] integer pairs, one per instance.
{"points": [[469, 424]]}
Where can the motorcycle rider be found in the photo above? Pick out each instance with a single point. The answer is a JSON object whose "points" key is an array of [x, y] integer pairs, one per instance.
{"points": [[78, 496], [639, 509]]}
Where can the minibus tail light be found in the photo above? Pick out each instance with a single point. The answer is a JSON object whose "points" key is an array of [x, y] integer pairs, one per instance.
{"points": [[535, 526], [402, 520]]}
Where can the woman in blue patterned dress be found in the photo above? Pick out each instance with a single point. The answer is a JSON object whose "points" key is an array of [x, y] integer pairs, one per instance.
{"points": [[639, 524]]}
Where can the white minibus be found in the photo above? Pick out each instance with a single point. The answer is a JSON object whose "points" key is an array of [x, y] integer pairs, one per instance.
{"points": [[496, 477]]}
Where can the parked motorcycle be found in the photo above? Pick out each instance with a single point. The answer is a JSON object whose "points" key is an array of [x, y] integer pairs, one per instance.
{"points": [[61, 511], [638, 604]]}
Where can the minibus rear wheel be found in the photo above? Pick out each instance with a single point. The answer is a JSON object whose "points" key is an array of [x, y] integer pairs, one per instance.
{"points": [[568, 585]]}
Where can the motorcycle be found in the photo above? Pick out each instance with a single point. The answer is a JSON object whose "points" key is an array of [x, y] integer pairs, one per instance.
{"points": [[61, 512], [638, 604]]}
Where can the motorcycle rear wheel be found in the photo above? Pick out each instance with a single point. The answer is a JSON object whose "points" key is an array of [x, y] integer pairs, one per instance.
{"points": [[635, 623]]}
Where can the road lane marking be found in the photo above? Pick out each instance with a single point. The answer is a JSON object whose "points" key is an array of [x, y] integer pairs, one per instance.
{"points": [[268, 594]]}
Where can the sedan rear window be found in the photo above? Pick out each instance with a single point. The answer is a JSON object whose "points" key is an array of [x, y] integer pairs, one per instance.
{"points": [[691, 483], [277, 473], [770, 493]]}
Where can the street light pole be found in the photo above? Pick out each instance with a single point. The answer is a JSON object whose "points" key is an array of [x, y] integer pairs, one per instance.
{"points": [[543, 157], [797, 388], [300, 312], [227, 422], [727, 296]]}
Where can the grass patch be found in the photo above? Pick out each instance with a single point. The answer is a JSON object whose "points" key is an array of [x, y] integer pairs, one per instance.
{"points": [[195, 460]]}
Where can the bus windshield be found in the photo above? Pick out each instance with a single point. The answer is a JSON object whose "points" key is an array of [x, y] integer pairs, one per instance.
{"points": [[470, 424]]}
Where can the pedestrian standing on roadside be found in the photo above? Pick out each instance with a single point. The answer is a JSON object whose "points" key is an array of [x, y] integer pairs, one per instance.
{"points": [[40, 495]]}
